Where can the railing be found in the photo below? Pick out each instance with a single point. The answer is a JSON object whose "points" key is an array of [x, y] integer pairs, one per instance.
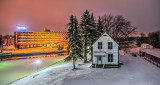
{"points": [[5, 56], [152, 59]]}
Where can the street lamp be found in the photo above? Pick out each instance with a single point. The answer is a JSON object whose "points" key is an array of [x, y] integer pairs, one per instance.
{"points": [[2, 48], [70, 51], [38, 62], [59, 48], [88, 47]]}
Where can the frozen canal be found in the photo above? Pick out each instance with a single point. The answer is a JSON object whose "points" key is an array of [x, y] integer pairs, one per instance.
{"points": [[135, 71], [12, 70]]}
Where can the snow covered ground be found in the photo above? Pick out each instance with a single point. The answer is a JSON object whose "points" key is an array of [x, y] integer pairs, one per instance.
{"points": [[135, 71]]}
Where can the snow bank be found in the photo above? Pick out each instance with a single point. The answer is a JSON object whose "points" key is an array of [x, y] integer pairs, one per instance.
{"points": [[135, 71]]}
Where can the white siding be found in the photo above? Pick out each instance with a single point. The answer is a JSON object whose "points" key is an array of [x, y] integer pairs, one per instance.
{"points": [[114, 50]]}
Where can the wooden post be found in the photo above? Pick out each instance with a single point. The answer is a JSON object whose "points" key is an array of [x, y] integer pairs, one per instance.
{"points": [[74, 63], [85, 53]]}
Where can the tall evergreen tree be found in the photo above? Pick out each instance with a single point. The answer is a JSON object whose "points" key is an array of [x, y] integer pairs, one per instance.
{"points": [[93, 32], [86, 28], [99, 27], [75, 42]]}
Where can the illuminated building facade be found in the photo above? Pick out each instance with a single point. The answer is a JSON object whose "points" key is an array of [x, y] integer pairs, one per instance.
{"points": [[24, 39]]}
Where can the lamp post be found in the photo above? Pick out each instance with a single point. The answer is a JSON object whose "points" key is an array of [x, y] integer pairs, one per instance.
{"points": [[37, 62], [2, 48], [59, 47]]}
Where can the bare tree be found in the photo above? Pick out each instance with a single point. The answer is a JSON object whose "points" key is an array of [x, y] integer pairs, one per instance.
{"points": [[107, 21], [118, 27]]}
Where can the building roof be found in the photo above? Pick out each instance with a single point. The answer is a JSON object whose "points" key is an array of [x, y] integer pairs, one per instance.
{"points": [[144, 44], [155, 52], [101, 36]]}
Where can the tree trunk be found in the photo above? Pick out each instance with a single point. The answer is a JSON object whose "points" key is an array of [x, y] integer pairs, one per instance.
{"points": [[74, 67], [91, 53], [85, 53]]}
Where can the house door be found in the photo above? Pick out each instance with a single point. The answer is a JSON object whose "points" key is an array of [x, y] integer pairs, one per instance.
{"points": [[99, 60]]}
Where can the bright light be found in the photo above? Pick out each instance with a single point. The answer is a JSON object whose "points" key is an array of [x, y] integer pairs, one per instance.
{"points": [[70, 51], [58, 43], [88, 47], [38, 61], [22, 28]]}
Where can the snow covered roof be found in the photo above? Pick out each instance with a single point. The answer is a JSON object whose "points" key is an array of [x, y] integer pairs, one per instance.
{"points": [[154, 52], [144, 44], [108, 35]]}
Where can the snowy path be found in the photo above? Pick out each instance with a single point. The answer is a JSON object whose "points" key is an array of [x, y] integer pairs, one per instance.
{"points": [[135, 71]]}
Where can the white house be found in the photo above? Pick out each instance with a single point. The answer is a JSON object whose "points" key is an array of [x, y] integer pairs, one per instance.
{"points": [[147, 46], [105, 52]]}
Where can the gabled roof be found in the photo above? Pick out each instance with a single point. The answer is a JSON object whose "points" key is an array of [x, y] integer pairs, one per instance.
{"points": [[101, 36]]}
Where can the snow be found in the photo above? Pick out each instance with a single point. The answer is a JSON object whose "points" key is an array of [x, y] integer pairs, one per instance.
{"points": [[135, 71]]}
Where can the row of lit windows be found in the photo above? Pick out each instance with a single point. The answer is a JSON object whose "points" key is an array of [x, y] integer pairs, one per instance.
{"points": [[38, 40], [41, 33]]}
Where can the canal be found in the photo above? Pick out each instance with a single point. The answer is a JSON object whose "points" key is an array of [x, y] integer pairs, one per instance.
{"points": [[12, 70]]}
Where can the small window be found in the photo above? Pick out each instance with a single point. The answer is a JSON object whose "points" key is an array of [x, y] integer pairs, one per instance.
{"points": [[99, 45], [104, 35], [110, 45], [110, 57]]}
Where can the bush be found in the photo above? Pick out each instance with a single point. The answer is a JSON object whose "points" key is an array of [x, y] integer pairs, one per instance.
{"points": [[134, 55]]}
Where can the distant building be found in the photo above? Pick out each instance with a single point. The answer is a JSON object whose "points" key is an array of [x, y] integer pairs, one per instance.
{"points": [[147, 46], [105, 52], [47, 30], [8, 40], [151, 55], [40, 39]]}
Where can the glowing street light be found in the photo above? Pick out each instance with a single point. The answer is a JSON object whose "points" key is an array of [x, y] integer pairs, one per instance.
{"points": [[58, 43], [38, 62], [59, 48], [70, 51], [88, 47]]}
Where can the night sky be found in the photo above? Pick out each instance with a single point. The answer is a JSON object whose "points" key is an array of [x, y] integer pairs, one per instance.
{"points": [[54, 14]]}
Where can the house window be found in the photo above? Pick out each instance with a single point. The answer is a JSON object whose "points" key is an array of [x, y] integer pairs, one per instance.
{"points": [[110, 45], [99, 45], [100, 58], [110, 57]]}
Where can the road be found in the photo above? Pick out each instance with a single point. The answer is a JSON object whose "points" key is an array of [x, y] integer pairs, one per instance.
{"points": [[12, 70]]}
